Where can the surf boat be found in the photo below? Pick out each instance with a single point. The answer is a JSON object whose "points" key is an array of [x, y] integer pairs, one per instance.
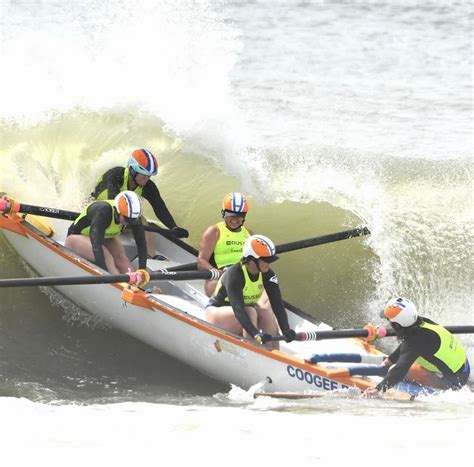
{"points": [[173, 319]]}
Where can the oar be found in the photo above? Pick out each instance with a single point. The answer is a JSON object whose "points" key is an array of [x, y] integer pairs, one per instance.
{"points": [[299, 244], [346, 333], [283, 248], [169, 235], [104, 279], [322, 240], [15, 207]]}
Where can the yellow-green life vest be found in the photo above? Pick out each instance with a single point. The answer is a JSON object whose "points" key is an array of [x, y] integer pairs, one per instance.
{"points": [[229, 247], [103, 194], [112, 230], [450, 351], [252, 290]]}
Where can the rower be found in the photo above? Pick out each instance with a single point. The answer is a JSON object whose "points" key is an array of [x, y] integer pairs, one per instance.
{"points": [[94, 233], [236, 306], [141, 166], [432, 347], [221, 244]]}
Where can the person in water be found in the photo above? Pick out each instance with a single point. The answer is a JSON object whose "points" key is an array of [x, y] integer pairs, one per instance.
{"points": [[235, 303], [221, 244], [94, 233], [440, 355], [141, 166]]}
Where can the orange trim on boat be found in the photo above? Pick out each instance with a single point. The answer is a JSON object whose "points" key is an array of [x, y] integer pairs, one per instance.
{"points": [[136, 297], [13, 224]]}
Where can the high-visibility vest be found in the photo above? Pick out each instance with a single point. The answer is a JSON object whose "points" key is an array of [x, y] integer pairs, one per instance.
{"points": [[229, 247], [450, 351]]}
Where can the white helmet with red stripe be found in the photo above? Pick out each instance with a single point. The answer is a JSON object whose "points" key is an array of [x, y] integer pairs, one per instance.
{"points": [[129, 204], [401, 311], [259, 247]]}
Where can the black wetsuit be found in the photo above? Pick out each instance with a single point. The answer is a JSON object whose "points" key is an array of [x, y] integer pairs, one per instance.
{"points": [[421, 342], [113, 181], [233, 283], [99, 217]]}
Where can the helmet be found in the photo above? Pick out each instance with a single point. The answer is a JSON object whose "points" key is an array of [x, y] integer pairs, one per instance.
{"points": [[129, 204], [259, 247], [143, 162], [235, 204], [400, 311]]}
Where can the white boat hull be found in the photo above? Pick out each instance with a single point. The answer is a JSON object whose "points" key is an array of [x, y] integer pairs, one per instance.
{"points": [[173, 323]]}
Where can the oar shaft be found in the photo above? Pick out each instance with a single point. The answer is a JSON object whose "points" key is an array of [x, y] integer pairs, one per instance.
{"points": [[299, 245], [184, 275], [183, 267], [460, 329], [347, 333], [104, 279], [155, 228], [67, 280], [63, 214], [45, 211]]}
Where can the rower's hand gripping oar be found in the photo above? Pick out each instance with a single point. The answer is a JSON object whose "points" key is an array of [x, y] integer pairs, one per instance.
{"points": [[370, 333]]}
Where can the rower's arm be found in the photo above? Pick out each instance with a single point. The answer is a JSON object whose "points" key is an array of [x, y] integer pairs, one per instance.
{"points": [[270, 282], [140, 240], [234, 282], [152, 195], [101, 217], [398, 371], [207, 244]]}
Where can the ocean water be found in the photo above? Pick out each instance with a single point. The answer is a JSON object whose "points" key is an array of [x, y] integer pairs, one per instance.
{"points": [[329, 115]]}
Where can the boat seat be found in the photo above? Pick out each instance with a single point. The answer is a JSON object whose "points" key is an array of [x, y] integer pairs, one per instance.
{"points": [[180, 303], [160, 263]]}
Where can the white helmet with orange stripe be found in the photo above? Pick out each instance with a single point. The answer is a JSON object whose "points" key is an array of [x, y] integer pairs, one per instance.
{"points": [[259, 247], [129, 204], [401, 311]]}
